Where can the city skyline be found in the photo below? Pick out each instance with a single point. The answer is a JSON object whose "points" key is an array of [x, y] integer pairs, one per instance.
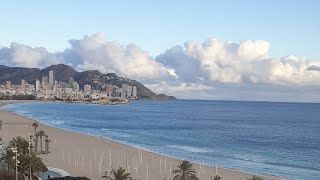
{"points": [[49, 89]]}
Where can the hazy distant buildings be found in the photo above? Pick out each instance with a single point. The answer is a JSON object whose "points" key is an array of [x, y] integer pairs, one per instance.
{"points": [[134, 91], [128, 91], [37, 85], [56, 85], [44, 82], [8, 85], [51, 79], [124, 90], [50, 89], [23, 85], [109, 90], [87, 88], [71, 81], [76, 87], [118, 93]]}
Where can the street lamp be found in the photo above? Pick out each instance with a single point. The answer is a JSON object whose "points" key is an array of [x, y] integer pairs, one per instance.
{"points": [[29, 148], [15, 150]]}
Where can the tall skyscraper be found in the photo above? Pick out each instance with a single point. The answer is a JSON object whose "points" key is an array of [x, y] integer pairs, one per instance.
{"points": [[51, 79], [87, 88], [37, 85], [71, 81], [44, 82], [134, 91], [129, 91], [55, 87], [124, 90], [23, 84]]}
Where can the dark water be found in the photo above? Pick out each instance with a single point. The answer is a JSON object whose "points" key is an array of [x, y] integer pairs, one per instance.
{"points": [[281, 139]]}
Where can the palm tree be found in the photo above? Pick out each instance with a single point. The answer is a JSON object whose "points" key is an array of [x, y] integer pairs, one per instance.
{"points": [[216, 177], [7, 158], [36, 143], [35, 125], [184, 172], [32, 163], [119, 174], [41, 133], [255, 178], [47, 141], [22, 144]]}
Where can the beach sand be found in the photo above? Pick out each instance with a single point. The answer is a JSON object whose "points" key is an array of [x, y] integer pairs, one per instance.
{"points": [[84, 155]]}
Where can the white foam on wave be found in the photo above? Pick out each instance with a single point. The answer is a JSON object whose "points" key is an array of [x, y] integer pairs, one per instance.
{"points": [[118, 134], [56, 122], [191, 149]]}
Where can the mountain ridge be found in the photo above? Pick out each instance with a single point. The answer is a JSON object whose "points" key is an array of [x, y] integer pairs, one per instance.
{"points": [[63, 72]]}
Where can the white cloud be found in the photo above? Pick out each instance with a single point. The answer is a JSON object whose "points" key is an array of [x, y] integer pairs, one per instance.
{"points": [[245, 62], [26, 56], [213, 68], [178, 88], [94, 52]]}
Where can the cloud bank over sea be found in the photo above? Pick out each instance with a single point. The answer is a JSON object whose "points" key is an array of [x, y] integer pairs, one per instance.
{"points": [[213, 69]]}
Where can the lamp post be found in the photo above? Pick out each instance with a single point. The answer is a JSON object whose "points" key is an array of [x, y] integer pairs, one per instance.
{"points": [[29, 148], [15, 150]]}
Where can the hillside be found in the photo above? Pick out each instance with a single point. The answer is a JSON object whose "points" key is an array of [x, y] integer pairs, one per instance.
{"points": [[63, 72]]}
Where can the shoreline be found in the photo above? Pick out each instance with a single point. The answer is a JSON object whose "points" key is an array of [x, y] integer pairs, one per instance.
{"points": [[152, 165]]}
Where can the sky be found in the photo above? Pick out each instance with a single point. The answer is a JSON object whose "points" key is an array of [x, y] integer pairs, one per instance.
{"points": [[231, 49]]}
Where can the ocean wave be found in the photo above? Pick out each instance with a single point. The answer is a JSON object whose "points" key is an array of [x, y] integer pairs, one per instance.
{"points": [[288, 165], [191, 149], [56, 122], [118, 134]]}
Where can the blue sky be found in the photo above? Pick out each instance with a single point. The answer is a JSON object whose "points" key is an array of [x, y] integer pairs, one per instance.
{"points": [[264, 49], [291, 26]]}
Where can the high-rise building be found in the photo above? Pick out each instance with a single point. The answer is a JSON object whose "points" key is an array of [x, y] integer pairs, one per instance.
{"points": [[71, 81], [124, 90], [134, 91], [109, 90], [123, 94], [23, 84], [129, 91], [30, 87], [37, 85], [8, 86], [44, 82], [51, 79], [56, 85], [77, 87], [117, 92], [87, 88]]}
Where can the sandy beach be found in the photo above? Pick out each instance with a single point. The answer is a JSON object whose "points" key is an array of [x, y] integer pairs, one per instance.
{"points": [[84, 155]]}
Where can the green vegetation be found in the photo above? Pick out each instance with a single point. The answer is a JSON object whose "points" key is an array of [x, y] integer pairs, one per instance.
{"points": [[255, 178], [119, 174], [185, 171], [41, 134], [216, 177], [28, 161], [69, 178], [17, 97]]}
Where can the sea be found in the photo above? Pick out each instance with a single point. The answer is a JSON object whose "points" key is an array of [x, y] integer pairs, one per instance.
{"points": [[266, 138]]}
